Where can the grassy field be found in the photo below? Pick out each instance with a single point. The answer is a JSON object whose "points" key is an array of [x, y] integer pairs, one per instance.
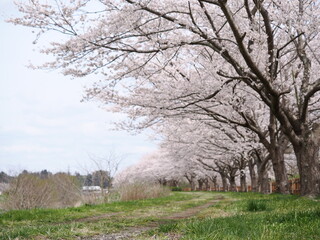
{"points": [[253, 216], [178, 216]]}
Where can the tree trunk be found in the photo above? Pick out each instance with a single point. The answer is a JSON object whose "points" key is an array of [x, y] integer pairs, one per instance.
{"points": [[224, 182], [191, 182], [175, 183], [215, 185], [193, 186], [200, 183], [243, 181], [278, 144], [263, 177], [206, 182], [253, 176], [162, 181], [280, 171], [232, 181], [307, 154], [263, 182]]}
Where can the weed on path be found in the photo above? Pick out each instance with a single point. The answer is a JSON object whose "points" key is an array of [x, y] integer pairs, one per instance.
{"points": [[92, 220], [183, 216], [163, 224]]}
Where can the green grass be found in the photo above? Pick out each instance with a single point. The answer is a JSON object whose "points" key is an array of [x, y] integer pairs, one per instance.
{"points": [[168, 227], [65, 224], [298, 225], [256, 216], [68, 214], [256, 205], [233, 216], [179, 189]]}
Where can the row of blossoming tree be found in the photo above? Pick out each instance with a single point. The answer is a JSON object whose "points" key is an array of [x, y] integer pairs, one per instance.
{"points": [[227, 83]]}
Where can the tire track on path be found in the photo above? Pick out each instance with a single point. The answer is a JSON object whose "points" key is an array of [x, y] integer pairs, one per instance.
{"points": [[133, 232]]}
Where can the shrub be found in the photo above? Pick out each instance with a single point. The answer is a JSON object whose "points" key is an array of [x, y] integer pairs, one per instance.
{"points": [[66, 190], [29, 191], [91, 198], [167, 227], [256, 205], [176, 189], [136, 191]]}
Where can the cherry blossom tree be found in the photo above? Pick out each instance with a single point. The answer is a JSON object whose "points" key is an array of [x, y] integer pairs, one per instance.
{"points": [[217, 148], [260, 159], [270, 47], [157, 167]]}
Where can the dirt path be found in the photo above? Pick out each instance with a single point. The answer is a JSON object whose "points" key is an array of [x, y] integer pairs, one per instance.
{"points": [[133, 232], [191, 211], [96, 218]]}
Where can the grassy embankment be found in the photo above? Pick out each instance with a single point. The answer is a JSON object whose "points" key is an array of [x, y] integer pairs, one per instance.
{"points": [[70, 223], [251, 216], [235, 216]]}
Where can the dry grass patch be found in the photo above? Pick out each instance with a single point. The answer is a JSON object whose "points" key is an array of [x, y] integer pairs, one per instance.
{"points": [[138, 191], [29, 191]]}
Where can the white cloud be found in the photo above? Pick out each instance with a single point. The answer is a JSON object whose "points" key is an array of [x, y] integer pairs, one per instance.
{"points": [[89, 128], [49, 122], [28, 130], [29, 148], [141, 149], [43, 124]]}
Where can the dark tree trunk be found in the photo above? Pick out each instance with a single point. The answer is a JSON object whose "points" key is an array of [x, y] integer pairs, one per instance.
{"points": [[200, 183], [162, 181], [263, 177], [206, 182], [193, 186], [243, 181], [264, 183], [280, 171], [253, 175], [232, 181], [278, 144], [191, 181], [214, 181], [231, 175], [307, 154], [262, 170], [175, 183], [224, 182]]}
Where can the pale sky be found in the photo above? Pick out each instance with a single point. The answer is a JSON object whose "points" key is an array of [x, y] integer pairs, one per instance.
{"points": [[43, 124]]}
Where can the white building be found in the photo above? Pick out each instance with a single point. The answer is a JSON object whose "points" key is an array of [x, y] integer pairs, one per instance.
{"points": [[91, 188]]}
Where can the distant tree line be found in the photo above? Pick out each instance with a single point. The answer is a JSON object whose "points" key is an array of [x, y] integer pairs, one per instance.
{"points": [[96, 178], [5, 178]]}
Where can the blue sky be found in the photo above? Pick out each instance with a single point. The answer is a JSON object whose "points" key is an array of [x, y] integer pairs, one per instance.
{"points": [[43, 124]]}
